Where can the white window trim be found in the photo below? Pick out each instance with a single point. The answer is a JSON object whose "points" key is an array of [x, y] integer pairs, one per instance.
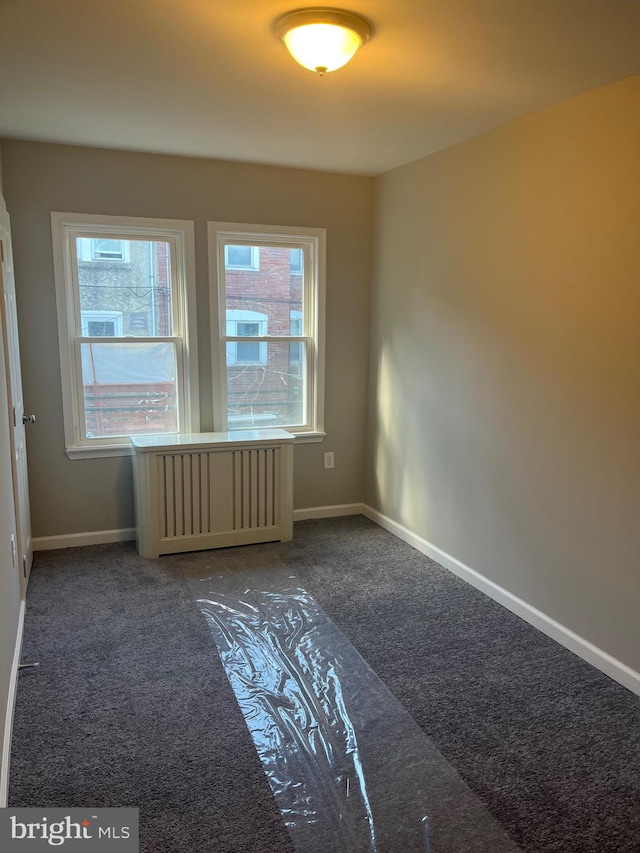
{"points": [[314, 241], [67, 226]]}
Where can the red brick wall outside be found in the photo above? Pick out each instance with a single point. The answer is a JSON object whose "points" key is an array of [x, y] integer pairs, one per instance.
{"points": [[112, 410], [163, 297], [274, 389]]}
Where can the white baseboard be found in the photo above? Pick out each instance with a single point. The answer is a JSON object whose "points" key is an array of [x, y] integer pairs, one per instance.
{"points": [[11, 703], [75, 540], [612, 667], [125, 534], [332, 511]]}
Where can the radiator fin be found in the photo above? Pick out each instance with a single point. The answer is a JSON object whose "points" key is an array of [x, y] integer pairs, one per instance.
{"points": [[213, 492], [254, 479]]}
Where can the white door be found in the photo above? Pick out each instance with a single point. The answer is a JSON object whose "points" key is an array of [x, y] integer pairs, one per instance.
{"points": [[17, 417]]}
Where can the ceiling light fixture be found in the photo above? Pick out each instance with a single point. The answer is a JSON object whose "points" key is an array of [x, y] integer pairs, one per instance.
{"points": [[322, 39]]}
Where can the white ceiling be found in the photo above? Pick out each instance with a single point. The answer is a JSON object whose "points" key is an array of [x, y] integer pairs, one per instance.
{"points": [[207, 77]]}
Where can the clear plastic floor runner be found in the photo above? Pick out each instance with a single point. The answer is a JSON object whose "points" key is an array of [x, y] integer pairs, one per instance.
{"points": [[349, 768]]}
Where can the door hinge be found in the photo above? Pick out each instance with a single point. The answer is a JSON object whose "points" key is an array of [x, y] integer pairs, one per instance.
{"points": [[24, 566], [2, 251]]}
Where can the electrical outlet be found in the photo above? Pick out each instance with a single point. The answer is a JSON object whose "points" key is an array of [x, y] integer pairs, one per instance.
{"points": [[328, 459]]}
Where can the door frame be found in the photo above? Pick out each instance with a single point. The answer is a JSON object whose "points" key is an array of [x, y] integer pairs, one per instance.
{"points": [[13, 379]]}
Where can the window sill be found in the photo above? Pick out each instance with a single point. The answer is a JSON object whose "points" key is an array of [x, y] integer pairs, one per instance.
{"points": [[308, 437], [99, 451], [112, 450]]}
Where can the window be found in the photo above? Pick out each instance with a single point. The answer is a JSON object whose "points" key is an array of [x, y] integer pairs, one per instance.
{"points": [[101, 324], [268, 327], [125, 329], [246, 324], [295, 327], [242, 257], [108, 250], [99, 249], [297, 258]]}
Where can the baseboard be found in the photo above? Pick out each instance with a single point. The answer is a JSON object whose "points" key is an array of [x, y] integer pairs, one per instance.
{"points": [[332, 511], [11, 703], [612, 667], [75, 540], [125, 534]]}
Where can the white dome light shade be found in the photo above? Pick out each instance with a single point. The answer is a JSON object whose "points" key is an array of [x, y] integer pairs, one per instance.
{"points": [[322, 39], [322, 46]]}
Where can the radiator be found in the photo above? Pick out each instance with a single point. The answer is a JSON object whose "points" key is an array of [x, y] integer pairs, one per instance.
{"points": [[212, 490]]}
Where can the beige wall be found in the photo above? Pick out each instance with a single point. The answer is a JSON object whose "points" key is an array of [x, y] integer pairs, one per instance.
{"points": [[505, 360], [87, 495]]}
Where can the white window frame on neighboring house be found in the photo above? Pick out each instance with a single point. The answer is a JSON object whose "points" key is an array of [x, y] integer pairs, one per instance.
{"points": [[295, 322], [66, 229], [235, 319], [312, 241], [295, 269], [254, 262], [114, 317], [88, 252]]}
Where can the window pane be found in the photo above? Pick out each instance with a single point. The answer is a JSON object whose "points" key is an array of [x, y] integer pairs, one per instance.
{"points": [[101, 324], [295, 325], [138, 291], [296, 261], [243, 257], [271, 394], [274, 290], [247, 353], [108, 249], [129, 388], [101, 329]]}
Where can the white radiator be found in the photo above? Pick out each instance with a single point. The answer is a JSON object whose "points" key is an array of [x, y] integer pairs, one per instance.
{"points": [[212, 490]]}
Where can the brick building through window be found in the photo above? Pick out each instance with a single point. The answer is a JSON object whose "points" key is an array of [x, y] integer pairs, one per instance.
{"points": [[264, 298]]}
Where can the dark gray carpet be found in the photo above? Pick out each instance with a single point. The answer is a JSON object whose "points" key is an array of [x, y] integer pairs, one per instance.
{"points": [[131, 705]]}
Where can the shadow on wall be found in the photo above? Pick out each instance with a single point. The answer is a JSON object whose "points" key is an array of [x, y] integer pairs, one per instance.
{"points": [[124, 486]]}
